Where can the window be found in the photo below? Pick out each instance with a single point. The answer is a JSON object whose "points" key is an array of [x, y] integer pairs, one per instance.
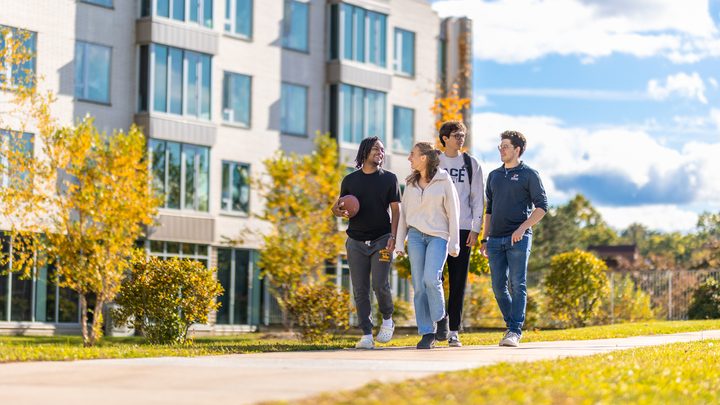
{"points": [[14, 146], [35, 299], [403, 129], [104, 3], [358, 34], [295, 25], [361, 113], [182, 173], [293, 114], [404, 61], [238, 17], [190, 251], [92, 72], [235, 187], [193, 11], [236, 98], [17, 57], [235, 272], [177, 82]]}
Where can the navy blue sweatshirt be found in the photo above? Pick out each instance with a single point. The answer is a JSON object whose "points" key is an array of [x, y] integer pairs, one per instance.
{"points": [[511, 195]]}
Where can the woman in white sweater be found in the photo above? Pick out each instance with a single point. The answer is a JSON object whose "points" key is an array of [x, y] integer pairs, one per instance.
{"points": [[429, 217]]}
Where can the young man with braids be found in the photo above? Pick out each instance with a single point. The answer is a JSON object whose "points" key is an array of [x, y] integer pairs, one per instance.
{"points": [[371, 237], [467, 177]]}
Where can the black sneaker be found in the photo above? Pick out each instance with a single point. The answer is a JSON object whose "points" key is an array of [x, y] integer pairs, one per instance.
{"points": [[427, 341], [442, 329]]}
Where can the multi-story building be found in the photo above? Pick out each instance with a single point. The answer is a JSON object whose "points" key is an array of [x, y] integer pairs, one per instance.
{"points": [[219, 86]]}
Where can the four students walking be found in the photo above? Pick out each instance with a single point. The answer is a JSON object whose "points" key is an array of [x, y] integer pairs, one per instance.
{"points": [[440, 214]]}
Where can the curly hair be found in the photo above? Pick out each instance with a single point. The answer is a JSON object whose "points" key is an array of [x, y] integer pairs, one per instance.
{"points": [[433, 162], [516, 138]]}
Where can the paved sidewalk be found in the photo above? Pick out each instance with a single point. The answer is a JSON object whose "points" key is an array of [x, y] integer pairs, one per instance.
{"points": [[247, 378]]}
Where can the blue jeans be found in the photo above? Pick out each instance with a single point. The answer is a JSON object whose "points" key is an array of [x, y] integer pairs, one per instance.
{"points": [[508, 271], [427, 258]]}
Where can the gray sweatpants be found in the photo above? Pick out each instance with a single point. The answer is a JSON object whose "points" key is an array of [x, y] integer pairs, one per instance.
{"points": [[364, 261]]}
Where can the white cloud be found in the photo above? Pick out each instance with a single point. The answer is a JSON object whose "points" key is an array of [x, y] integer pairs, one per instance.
{"points": [[682, 84], [713, 82], [629, 154], [577, 94], [715, 117], [515, 31], [664, 218], [481, 100]]}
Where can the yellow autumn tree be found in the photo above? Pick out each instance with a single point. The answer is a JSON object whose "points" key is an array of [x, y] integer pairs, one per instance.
{"points": [[299, 192], [75, 197], [448, 108]]}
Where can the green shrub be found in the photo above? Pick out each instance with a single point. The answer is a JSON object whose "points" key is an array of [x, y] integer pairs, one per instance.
{"points": [[574, 286], [320, 311], [705, 301], [162, 298], [402, 312], [481, 309]]}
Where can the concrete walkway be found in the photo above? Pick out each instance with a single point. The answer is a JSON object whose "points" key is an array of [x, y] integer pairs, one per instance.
{"points": [[247, 378]]}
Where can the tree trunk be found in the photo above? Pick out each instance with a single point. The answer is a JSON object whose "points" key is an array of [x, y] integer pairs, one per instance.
{"points": [[96, 331], [83, 320]]}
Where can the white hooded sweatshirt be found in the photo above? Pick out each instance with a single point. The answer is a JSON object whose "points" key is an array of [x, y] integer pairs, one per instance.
{"points": [[434, 211]]}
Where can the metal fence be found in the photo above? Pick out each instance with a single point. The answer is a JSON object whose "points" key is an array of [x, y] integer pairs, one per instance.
{"points": [[670, 291]]}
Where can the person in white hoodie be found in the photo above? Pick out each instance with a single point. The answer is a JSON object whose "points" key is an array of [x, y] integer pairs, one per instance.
{"points": [[430, 219]]}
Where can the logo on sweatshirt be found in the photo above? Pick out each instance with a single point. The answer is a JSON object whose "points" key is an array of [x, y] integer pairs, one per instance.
{"points": [[515, 177]]}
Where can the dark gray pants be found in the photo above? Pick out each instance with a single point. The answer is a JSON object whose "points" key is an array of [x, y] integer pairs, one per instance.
{"points": [[365, 265]]}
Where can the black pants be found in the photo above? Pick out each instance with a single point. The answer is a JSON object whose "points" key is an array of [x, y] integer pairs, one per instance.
{"points": [[458, 274]]}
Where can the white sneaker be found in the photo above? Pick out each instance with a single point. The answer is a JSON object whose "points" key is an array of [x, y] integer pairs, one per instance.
{"points": [[385, 333], [365, 342], [454, 340], [511, 339]]}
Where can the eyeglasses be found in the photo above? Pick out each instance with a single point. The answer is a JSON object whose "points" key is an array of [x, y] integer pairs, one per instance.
{"points": [[504, 146], [458, 135]]}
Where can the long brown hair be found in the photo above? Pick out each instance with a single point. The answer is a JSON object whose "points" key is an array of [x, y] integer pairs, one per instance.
{"points": [[433, 162]]}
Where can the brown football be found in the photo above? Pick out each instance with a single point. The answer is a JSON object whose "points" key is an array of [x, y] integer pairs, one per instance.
{"points": [[350, 204]]}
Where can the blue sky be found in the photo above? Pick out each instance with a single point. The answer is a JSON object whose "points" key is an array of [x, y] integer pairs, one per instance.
{"points": [[619, 100]]}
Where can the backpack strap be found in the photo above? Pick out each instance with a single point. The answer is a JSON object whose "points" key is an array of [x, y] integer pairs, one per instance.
{"points": [[468, 166]]}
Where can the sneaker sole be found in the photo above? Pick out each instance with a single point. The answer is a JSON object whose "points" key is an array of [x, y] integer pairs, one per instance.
{"points": [[458, 344]]}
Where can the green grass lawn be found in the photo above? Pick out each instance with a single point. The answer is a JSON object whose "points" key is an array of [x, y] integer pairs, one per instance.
{"points": [[70, 347], [680, 373]]}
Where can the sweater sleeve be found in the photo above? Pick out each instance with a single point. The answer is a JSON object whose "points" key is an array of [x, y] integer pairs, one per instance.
{"points": [[452, 207], [488, 195], [402, 224], [537, 192], [477, 199]]}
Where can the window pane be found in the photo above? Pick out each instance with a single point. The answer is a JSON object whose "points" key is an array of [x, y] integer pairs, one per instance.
{"points": [[189, 153], [163, 8], [347, 31], [68, 306], [205, 87], [98, 72], [173, 247], [173, 175], [5, 246], [243, 17], [207, 13], [193, 83], [293, 109], [223, 277], [157, 157], [295, 25], [160, 86], [241, 189], [346, 118], [358, 115], [22, 73], [240, 303], [359, 35], [225, 198], [80, 69], [176, 80], [403, 122], [188, 250], [44, 296], [157, 246], [236, 103], [106, 3], [144, 81], [20, 299], [203, 178], [178, 10], [194, 8], [376, 35], [408, 53], [145, 8]]}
